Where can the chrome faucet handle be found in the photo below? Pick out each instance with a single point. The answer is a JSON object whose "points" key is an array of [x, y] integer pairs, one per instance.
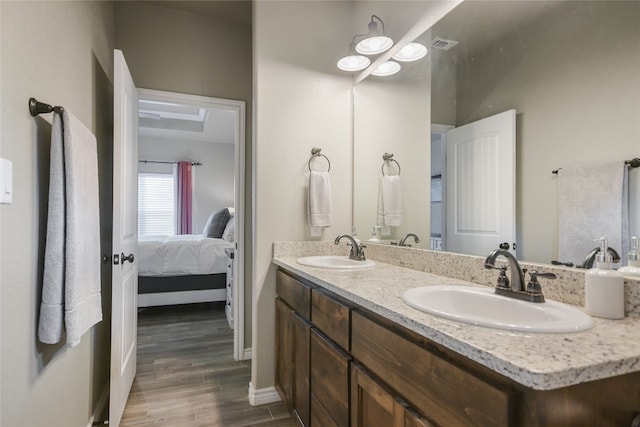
{"points": [[534, 286]]}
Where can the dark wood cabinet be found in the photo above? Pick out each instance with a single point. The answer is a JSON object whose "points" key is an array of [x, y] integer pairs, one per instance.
{"points": [[292, 373], [293, 340], [339, 364], [284, 352], [445, 393], [329, 379], [373, 404]]}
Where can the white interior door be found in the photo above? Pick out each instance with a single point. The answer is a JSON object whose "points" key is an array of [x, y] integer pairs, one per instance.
{"points": [[125, 239], [481, 203]]}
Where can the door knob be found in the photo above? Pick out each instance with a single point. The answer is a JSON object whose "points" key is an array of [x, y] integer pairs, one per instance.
{"points": [[124, 258]]}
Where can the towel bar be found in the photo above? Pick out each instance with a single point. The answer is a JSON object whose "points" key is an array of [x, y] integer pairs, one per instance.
{"points": [[633, 163], [315, 152], [36, 107]]}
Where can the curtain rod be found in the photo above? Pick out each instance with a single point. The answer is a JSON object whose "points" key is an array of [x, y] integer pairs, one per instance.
{"points": [[167, 162]]}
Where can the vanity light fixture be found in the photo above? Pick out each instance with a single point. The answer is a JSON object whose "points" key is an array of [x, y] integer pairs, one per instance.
{"points": [[375, 41], [386, 69], [411, 52], [353, 61]]}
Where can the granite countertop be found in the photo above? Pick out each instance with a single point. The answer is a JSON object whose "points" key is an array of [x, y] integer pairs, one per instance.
{"points": [[538, 361]]}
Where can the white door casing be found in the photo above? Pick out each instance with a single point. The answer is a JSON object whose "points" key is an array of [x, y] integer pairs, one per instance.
{"points": [[125, 240], [238, 109], [481, 203]]}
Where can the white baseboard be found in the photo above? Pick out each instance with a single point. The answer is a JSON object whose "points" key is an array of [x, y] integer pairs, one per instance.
{"points": [[263, 396], [248, 354], [100, 406]]}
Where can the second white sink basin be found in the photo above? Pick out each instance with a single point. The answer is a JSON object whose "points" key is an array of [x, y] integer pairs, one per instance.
{"points": [[482, 307], [335, 262]]}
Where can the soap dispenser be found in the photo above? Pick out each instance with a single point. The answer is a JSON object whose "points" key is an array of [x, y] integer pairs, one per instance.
{"points": [[604, 287], [633, 266], [375, 235]]}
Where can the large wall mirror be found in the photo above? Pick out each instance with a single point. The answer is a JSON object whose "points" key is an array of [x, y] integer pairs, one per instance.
{"points": [[569, 69]]}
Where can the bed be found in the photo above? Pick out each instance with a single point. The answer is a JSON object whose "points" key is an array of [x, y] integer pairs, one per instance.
{"points": [[181, 269]]}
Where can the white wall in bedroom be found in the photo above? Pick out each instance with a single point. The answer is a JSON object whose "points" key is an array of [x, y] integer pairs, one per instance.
{"points": [[213, 180]]}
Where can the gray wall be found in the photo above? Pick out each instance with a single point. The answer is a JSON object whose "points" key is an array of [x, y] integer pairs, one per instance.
{"points": [[66, 60], [181, 52], [213, 184], [302, 101], [577, 94]]}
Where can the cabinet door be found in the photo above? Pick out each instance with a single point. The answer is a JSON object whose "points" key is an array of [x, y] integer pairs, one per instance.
{"points": [[284, 354], [371, 404], [329, 380], [301, 334]]}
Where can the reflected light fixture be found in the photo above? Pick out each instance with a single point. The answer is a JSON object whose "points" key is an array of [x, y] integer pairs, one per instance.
{"points": [[375, 41], [387, 69], [353, 61], [411, 52]]}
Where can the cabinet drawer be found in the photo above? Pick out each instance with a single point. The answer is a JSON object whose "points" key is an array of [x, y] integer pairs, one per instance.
{"points": [[331, 317], [294, 293], [329, 379], [445, 393]]}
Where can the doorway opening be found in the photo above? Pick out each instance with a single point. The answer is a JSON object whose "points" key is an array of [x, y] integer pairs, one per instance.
{"points": [[200, 140]]}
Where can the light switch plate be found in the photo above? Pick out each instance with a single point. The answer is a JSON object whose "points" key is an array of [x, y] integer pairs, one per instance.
{"points": [[316, 231], [6, 181]]}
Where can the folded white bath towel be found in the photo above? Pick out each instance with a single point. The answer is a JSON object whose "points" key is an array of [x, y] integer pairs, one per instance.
{"points": [[72, 254], [592, 203], [390, 201], [51, 323], [319, 205]]}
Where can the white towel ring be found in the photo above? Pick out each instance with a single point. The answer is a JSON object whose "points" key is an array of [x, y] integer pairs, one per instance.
{"points": [[315, 152], [388, 158]]}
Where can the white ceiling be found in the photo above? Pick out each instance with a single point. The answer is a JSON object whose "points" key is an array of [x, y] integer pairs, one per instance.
{"points": [[185, 123]]}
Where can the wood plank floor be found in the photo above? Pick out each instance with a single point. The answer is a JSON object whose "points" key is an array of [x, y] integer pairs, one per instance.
{"points": [[186, 374]]}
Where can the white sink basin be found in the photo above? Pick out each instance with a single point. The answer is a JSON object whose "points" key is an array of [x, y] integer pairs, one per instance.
{"points": [[335, 262], [482, 307]]}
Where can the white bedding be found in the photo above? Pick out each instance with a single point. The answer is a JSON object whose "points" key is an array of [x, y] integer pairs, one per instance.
{"points": [[181, 255]]}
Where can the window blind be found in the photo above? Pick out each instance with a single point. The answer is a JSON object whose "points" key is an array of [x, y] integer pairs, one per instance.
{"points": [[156, 206]]}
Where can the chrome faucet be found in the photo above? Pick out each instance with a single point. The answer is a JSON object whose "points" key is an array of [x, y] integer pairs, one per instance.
{"points": [[357, 249], [515, 288], [403, 241], [591, 257]]}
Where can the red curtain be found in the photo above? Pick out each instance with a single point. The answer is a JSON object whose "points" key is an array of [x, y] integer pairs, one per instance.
{"points": [[185, 195]]}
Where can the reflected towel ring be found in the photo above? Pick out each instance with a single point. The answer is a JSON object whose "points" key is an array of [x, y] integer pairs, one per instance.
{"points": [[315, 152], [388, 158]]}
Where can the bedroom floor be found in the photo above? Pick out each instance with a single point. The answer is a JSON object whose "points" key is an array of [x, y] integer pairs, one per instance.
{"points": [[186, 374]]}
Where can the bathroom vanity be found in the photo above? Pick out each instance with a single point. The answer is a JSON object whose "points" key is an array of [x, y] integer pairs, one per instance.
{"points": [[351, 353]]}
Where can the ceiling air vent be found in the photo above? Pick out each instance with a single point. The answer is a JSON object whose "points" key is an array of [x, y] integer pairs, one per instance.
{"points": [[442, 44]]}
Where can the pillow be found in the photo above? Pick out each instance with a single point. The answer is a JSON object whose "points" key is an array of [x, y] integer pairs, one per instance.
{"points": [[216, 224], [229, 231]]}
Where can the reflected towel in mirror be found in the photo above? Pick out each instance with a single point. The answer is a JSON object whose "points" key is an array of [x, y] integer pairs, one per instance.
{"points": [[390, 201], [592, 203]]}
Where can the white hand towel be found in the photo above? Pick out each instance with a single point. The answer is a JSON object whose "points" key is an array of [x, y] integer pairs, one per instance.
{"points": [[76, 207], [390, 201], [320, 199], [592, 203]]}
